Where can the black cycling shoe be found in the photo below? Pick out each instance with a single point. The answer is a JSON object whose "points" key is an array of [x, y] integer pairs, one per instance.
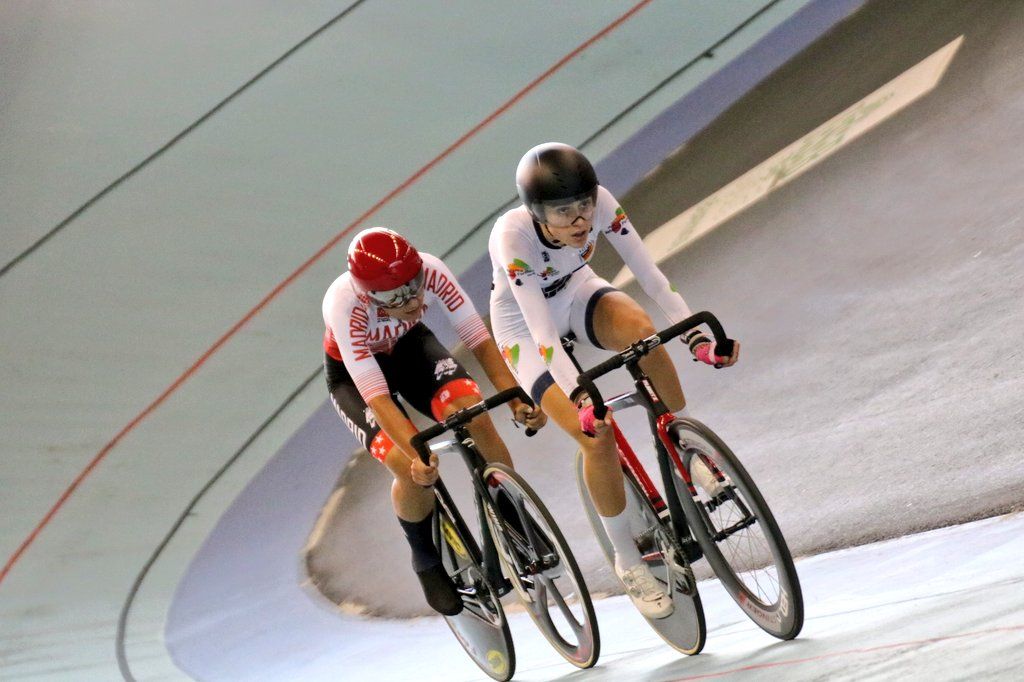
{"points": [[440, 591]]}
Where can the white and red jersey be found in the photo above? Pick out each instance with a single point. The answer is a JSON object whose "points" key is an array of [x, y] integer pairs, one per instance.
{"points": [[356, 329], [533, 282]]}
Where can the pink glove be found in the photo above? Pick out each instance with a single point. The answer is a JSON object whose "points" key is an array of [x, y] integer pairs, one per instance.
{"points": [[705, 352], [587, 419]]}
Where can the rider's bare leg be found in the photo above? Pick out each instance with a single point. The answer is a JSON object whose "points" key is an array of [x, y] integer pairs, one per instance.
{"points": [[412, 502], [619, 321], [601, 469]]}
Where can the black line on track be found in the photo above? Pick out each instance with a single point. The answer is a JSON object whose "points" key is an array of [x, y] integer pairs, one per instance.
{"points": [[122, 621], [174, 140]]}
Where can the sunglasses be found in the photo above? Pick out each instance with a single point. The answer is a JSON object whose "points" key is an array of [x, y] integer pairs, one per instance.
{"points": [[399, 296]]}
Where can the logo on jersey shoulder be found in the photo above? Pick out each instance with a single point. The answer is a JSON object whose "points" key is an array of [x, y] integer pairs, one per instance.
{"points": [[511, 355], [370, 417], [619, 225], [518, 269], [545, 256], [548, 272], [444, 368], [381, 315], [547, 352], [586, 253]]}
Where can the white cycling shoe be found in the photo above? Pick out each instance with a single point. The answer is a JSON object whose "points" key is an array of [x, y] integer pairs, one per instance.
{"points": [[647, 593]]}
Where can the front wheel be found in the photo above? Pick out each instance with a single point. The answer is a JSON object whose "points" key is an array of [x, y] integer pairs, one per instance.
{"points": [[737, 531], [481, 627], [684, 629], [537, 560]]}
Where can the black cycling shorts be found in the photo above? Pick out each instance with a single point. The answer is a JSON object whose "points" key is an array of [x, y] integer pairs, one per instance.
{"points": [[416, 369]]}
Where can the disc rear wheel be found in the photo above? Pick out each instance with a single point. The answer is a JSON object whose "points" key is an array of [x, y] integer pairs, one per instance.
{"points": [[684, 629], [481, 627]]}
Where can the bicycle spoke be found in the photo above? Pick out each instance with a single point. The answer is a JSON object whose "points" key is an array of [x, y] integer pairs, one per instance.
{"points": [[739, 535]]}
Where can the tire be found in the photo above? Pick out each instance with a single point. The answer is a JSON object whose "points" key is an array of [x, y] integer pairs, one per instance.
{"points": [[481, 628], [538, 561], [752, 559], [685, 629]]}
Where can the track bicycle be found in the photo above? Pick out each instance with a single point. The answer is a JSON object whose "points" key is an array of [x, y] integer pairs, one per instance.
{"points": [[711, 507], [519, 538]]}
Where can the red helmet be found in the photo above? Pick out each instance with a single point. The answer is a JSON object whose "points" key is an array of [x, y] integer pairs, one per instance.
{"points": [[385, 267]]}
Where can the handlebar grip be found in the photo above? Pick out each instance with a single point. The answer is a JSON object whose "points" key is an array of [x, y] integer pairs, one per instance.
{"points": [[588, 385], [419, 441]]}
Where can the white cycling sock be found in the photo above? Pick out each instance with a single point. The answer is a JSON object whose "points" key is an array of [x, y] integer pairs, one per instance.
{"points": [[617, 528]]}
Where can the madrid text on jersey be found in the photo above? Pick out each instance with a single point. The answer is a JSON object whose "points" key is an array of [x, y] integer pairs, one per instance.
{"points": [[365, 342], [444, 289]]}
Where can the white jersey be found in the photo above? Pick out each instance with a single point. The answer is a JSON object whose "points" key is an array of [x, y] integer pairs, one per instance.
{"points": [[533, 280], [356, 329]]}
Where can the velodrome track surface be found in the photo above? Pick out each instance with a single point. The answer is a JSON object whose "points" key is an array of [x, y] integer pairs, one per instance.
{"points": [[178, 183], [877, 297], [902, 365]]}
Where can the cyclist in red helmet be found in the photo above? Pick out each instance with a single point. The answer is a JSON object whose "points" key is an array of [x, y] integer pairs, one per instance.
{"points": [[543, 288], [377, 348]]}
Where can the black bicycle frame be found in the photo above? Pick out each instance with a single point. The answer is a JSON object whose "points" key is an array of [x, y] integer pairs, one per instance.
{"points": [[475, 462]]}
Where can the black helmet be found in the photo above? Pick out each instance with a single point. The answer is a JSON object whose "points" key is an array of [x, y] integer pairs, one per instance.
{"points": [[554, 173]]}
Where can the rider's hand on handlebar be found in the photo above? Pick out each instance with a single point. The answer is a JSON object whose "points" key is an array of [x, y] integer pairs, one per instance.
{"points": [[590, 424], [533, 417], [423, 474], [704, 350]]}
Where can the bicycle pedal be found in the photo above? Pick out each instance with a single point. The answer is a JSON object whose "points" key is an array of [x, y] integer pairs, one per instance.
{"points": [[647, 543], [691, 550]]}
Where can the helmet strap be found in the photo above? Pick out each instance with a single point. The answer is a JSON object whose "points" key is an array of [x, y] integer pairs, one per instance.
{"points": [[549, 236]]}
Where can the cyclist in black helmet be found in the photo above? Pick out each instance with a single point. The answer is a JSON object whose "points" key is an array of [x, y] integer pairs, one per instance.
{"points": [[544, 288]]}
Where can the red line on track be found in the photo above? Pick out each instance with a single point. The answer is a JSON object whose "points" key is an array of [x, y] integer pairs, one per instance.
{"points": [[301, 269], [836, 654]]}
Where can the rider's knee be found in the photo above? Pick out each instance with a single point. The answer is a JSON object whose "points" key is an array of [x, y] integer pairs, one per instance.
{"points": [[641, 322], [595, 450]]}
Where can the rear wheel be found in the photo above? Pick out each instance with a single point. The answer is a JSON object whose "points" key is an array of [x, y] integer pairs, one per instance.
{"points": [[684, 629], [539, 563], [736, 529], [481, 627]]}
